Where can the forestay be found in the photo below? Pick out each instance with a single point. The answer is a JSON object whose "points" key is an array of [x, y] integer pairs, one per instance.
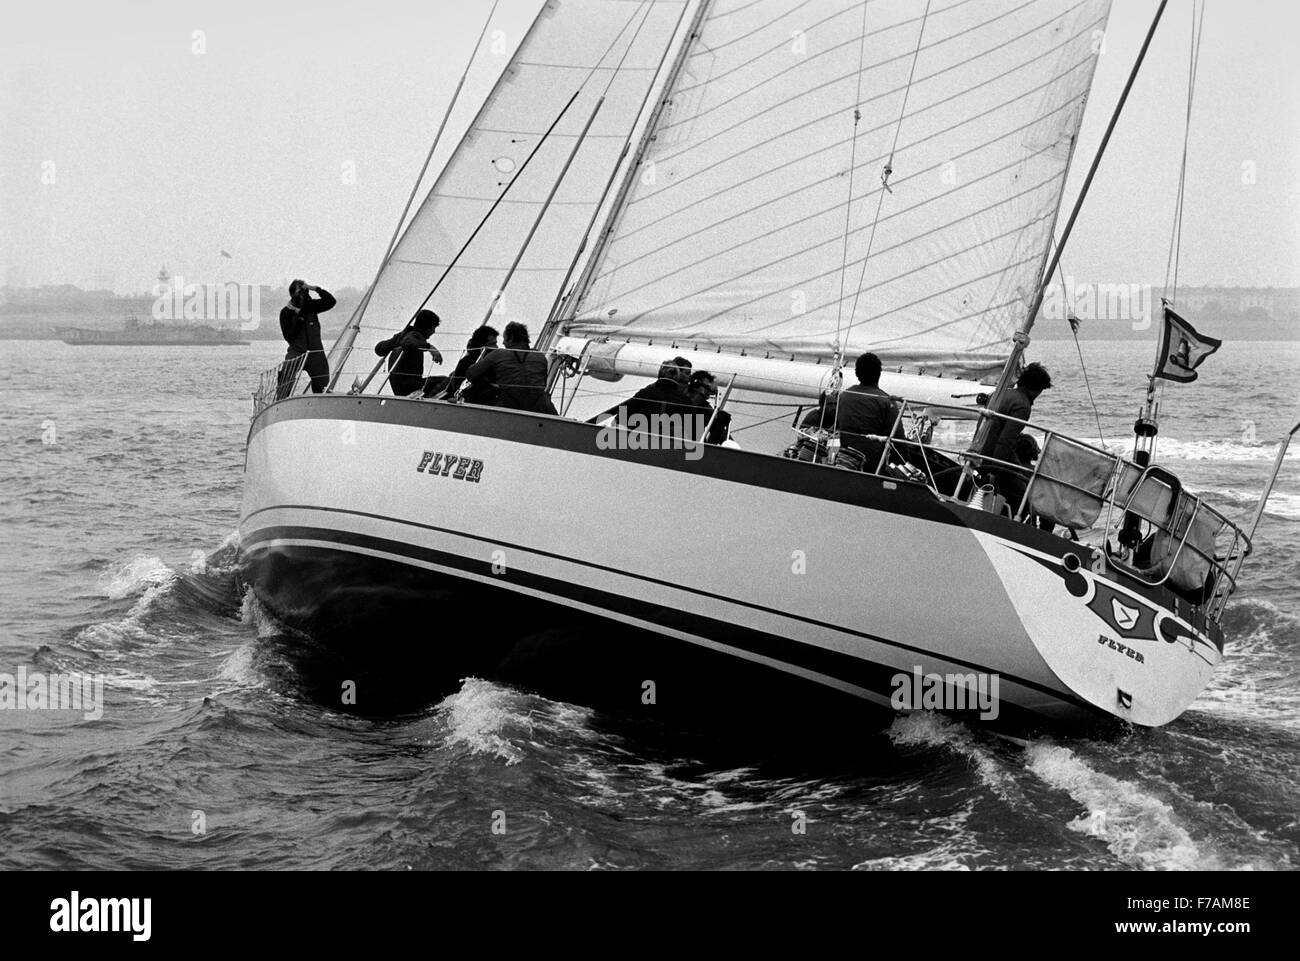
{"points": [[735, 233]]}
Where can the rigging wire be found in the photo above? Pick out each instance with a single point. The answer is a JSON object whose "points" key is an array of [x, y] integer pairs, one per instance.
{"points": [[837, 375], [354, 322], [848, 203], [1176, 234], [1073, 321], [888, 170]]}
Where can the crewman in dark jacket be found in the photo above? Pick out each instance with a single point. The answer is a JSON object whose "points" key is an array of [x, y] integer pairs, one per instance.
{"points": [[1004, 436], [481, 342], [405, 351], [1019, 403], [862, 409], [300, 325], [517, 370], [665, 397], [700, 391]]}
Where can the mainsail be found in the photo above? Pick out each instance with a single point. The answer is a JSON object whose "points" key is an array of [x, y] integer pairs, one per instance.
{"points": [[766, 216], [603, 48]]}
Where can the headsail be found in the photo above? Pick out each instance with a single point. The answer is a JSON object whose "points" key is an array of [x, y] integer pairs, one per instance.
{"points": [[609, 48], [733, 235]]}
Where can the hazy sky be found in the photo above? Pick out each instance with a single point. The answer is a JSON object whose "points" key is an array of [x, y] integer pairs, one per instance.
{"points": [[288, 134]]}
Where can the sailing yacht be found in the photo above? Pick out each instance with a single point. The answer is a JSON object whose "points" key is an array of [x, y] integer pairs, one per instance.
{"points": [[767, 189]]}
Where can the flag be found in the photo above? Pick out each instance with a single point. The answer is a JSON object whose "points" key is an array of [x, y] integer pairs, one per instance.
{"points": [[1182, 349]]}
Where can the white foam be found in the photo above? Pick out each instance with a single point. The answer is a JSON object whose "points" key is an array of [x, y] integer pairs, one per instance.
{"points": [[1139, 829], [253, 614], [238, 668], [954, 850], [480, 715], [106, 637], [1201, 449], [929, 729], [947, 856], [138, 576], [221, 559]]}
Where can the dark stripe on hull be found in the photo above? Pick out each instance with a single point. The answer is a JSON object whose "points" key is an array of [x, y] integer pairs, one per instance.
{"points": [[734, 466], [386, 599]]}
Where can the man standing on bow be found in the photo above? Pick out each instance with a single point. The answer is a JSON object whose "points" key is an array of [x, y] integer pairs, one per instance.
{"points": [[300, 325]]}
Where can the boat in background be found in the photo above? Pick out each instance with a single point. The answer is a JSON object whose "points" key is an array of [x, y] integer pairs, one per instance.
{"points": [[767, 191], [136, 334]]}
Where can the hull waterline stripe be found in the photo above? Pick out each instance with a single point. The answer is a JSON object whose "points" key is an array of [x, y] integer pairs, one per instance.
{"points": [[772, 645]]}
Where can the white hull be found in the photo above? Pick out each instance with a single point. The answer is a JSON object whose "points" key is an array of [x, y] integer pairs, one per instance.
{"points": [[845, 580]]}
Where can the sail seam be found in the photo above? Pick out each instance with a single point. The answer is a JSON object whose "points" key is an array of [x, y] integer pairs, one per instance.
{"points": [[915, 143], [804, 281], [772, 77], [919, 300], [889, 280], [821, 213], [759, 29], [820, 23], [1073, 39]]}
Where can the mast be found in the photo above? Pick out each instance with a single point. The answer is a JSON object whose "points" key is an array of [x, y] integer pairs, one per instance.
{"points": [[1022, 335], [647, 135]]}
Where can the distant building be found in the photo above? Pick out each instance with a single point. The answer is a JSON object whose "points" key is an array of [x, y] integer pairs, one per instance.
{"points": [[1260, 303]]}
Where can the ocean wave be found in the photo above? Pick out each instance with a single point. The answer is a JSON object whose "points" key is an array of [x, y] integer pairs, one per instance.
{"points": [[147, 579], [956, 847], [222, 559], [483, 717], [1139, 829], [239, 669], [928, 729], [1282, 505], [1256, 680], [1200, 449], [141, 575]]}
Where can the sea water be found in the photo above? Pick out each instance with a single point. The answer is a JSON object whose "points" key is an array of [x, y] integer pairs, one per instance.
{"points": [[121, 474]]}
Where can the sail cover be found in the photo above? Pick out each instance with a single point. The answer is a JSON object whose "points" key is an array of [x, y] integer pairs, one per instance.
{"points": [[763, 218], [609, 48]]}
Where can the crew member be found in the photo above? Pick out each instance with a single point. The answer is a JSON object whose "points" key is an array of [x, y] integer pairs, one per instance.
{"points": [[517, 371], [858, 411], [1003, 435], [667, 395], [700, 392], [405, 351], [300, 325], [481, 342]]}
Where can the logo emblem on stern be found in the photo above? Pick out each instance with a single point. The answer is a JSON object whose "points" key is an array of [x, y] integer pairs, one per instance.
{"points": [[1133, 619], [1126, 618]]}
